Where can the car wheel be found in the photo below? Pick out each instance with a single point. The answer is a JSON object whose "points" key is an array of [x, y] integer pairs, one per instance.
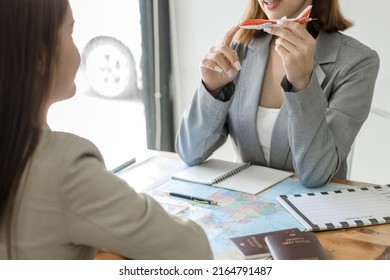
{"points": [[109, 68]]}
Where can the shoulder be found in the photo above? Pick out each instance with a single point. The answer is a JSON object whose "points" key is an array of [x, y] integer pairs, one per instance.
{"points": [[355, 46], [66, 147], [344, 48], [75, 164]]}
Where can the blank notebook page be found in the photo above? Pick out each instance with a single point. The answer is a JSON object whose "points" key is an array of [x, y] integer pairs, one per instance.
{"points": [[206, 172], [254, 179]]}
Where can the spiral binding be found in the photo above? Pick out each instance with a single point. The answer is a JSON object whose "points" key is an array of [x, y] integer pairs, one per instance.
{"points": [[231, 173]]}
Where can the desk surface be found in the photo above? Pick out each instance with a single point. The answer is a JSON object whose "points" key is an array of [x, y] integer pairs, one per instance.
{"points": [[363, 243]]}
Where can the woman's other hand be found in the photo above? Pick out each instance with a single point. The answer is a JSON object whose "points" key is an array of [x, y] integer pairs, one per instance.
{"points": [[220, 65], [296, 46]]}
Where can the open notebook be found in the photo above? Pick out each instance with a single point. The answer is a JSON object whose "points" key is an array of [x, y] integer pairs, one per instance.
{"points": [[242, 177]]}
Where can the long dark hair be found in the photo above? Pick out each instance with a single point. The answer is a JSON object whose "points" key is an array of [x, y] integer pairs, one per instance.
{"points": [[28, 51], [327, 12]]}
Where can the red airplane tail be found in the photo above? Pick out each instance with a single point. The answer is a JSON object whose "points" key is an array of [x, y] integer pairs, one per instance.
{"points": [[305, 13]]}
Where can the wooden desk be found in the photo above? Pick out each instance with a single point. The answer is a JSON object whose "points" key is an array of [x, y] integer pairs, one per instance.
{"points": [[363, 243]]}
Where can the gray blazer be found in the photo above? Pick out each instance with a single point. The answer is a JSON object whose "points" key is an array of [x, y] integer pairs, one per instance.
{"points": [[70, 205], [315, 128]]}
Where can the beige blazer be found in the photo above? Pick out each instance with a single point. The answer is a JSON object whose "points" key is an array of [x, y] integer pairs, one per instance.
{"points": [[70, 205]]}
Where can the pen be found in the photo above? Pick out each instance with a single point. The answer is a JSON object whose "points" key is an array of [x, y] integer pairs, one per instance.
{"points": [[194, 198], [123, 165]]}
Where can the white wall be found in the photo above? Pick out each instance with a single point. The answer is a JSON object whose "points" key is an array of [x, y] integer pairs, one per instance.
{"points": [[198, 25], [370, 161], [202, 23]]}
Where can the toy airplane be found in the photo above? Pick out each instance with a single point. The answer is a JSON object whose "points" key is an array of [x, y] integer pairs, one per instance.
{"points": [[260, 24]]}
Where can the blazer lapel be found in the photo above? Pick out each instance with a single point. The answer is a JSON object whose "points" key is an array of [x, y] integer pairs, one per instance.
{"points": [[327, 48], [280, 146]]}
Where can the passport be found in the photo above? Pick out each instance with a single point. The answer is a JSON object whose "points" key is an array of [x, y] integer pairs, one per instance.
{"points": [[253, 246], [299, 245]]}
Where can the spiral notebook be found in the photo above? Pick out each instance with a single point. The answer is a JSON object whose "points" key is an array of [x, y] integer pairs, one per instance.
{"points": [[352, 207], [242, 177]]}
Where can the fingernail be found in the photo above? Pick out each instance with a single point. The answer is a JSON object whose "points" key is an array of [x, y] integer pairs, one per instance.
{"points": [[218, 69], [237, 65], [230, 73]]}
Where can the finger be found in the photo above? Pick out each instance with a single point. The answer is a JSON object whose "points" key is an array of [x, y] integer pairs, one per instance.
{"points": [[298, 29], [211, 65], [231, 56], [287, 35], [289, 30], [216, 62], [227, 40], [282, 52], [285, 44]]}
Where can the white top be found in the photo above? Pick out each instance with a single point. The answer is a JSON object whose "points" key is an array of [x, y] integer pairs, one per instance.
{"points": [[266, 118]]}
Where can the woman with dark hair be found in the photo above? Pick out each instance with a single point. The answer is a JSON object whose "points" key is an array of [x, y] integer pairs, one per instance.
{"points": [[292, 97], [57, 200]]}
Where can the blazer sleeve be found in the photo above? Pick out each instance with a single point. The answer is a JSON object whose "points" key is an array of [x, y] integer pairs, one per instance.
{"points": [[321, 129], [203, 128], [102, 211]]}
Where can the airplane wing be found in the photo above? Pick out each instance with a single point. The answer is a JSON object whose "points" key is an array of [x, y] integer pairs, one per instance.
{"points": [[259, 24]]}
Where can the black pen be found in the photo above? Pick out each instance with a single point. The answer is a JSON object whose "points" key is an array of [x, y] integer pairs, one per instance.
{"points": [[194, 198], [123, 165]]}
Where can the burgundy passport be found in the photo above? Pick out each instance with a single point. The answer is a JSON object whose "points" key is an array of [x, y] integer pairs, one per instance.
{"points": [[300, 245], [253, 246]]}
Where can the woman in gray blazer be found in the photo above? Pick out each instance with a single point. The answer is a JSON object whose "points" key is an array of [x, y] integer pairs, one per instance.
{"points": [[57, 200], [291, 97]]}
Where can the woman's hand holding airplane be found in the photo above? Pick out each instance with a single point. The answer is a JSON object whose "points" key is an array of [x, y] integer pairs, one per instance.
{"points": [[296, 46], [220, 65]]}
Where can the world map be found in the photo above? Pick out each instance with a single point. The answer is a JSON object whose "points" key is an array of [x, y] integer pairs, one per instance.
{"points": [[236, 214]]}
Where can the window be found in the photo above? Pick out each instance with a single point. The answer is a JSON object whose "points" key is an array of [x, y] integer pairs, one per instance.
{"points": [[107, 108]]}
